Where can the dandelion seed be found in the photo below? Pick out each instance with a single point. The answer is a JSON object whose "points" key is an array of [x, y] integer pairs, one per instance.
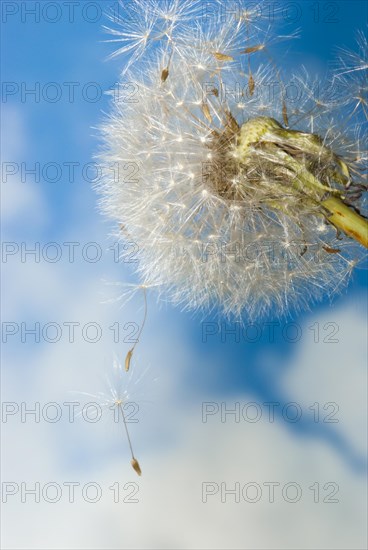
{"points": [[251, 85], [134, 461], [128, 359], [206, 111], [223, 57], [120, 393], [254, 49], [136, 466], [331, 250], [129, 355], [164, 75]]}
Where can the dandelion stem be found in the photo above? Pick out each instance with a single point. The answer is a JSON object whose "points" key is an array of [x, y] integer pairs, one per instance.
{"points": [[347, 220], [340, 214], [276, 142]]}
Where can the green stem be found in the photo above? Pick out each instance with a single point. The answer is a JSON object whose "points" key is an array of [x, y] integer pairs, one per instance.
{"points": [[270, 134], [340, 215], [346, 219]]}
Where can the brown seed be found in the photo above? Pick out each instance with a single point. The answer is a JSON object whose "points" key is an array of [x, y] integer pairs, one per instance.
{"points": [[285, 114], [134, 462], [206, 111], [231, 122], [304, 250], [251, 85], [215, 92], [331, 250], [128, 359], [253, 49], [164, 75], [223, 57]]}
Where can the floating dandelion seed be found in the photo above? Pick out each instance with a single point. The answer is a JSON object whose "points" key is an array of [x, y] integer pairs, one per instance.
{"points": [[134, 461], [130, 352], [117, 398], [242, 201], [129, 290]]}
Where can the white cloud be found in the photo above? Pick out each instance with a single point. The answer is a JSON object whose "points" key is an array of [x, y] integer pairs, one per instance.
{"points": [[22, 202], [176, 450]]}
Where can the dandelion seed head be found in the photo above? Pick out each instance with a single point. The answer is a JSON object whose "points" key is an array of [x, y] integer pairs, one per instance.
{"points": [[217, 174]]}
